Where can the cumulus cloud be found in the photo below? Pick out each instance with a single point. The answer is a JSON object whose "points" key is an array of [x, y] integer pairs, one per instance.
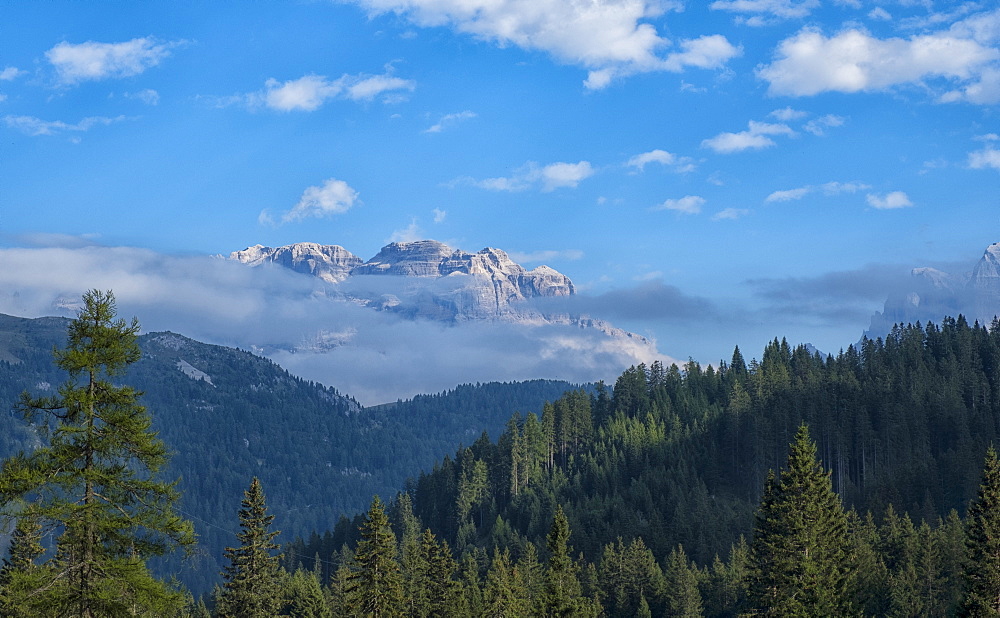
{"points": [[300, 322], [661, 157], [29, 125], [819, 125], [91, 61], [610, 38], [810, 62], [688, 205], [439, 215], [449, 120], [530, 175], [988, 157], [829, 188], [754, 138], [310, 92], [891, 200], [331, 198]]}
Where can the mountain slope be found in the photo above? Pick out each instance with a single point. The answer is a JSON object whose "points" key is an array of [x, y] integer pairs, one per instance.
{"points": [[229, 415]]}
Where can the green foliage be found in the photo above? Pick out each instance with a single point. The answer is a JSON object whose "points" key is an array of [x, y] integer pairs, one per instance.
{"points": [[253, 576], [798, 563], [375, 587], [94, 482], [982, 567]]}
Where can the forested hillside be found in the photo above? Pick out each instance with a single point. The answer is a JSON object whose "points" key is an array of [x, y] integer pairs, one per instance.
{"points": [[679, 457], [229, 415]]}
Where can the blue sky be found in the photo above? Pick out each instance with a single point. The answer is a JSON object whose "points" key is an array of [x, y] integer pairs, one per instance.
{"points": [[707, 173]]}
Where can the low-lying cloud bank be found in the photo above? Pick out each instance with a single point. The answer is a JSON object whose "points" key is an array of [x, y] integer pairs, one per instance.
{"points": [[296, 320]]}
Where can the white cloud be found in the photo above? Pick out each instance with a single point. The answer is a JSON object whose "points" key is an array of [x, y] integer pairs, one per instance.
{"points": [[819, 125], [147, 96], [309, 92], [410, 233], [829, 188], [762, 9], [76, 63], [689, 204], [809, 62], [706, 52], [546, 256], [988, 157], [730, 214], [788, 114], [788, 195], [667, 159], [10, 74], [547, 178], [755, 137], [29, 125], [439, 215], [449, 119], [224, 302], [894, 199], [880, 14], [558, 175], [332, 197], [610, 38]]}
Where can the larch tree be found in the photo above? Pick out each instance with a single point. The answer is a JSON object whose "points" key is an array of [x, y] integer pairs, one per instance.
{"points": [[253, 576], [982, 565], [95, 483], [798, 563]]}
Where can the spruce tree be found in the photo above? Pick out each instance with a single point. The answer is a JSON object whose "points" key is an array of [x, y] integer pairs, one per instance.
{"points": [[375, 589], [563, 594], [253, 576], [798, 564], [95, 482], [982, 566], [20, 576]]}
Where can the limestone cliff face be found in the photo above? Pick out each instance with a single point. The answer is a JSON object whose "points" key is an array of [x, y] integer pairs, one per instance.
{"points": [[331, 263], [430, 278], [984, 285]]}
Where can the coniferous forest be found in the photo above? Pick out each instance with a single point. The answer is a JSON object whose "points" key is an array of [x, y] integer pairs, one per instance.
{"points": [[861, 484]]}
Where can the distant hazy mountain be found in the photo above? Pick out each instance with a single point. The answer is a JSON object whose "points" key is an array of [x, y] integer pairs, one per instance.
{"points": [[428, 279], [934, 294]]}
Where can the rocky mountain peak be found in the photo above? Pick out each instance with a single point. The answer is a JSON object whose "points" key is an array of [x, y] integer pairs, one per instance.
{"points": [[482, 285], [331, 263]]}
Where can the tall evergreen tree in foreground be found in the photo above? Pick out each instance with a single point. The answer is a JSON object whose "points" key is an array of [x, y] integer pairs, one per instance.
{"points": [[982, 567], [798, 564], [95, 482], [375, 589], [253, 577]]}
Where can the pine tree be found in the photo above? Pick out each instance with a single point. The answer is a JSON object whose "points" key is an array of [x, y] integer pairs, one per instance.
{"points": [[95, 482], [253, 577], [563, 593], [375, 589], [798, 565], [683, 596], [982, 566], [505, 596]]}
